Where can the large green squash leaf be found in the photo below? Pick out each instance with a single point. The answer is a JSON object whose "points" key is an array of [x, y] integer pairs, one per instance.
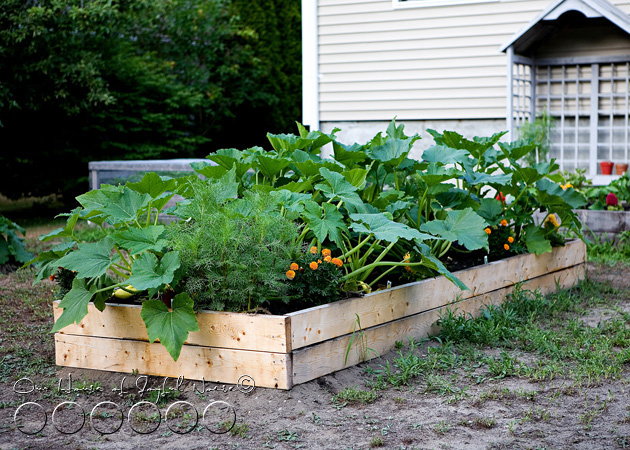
{"points": [[392, 152], [74, 304], [67, 230], [338, 188], [153, 184], [551, 194], [270, 166], [125, 206], [535, 240], [325, 221], [444, 155], [139, 240], [384, 228], [90, 260], [149, 273], [170, 327], [463, 226], [491, 210], [349, 155], [208, 170]]}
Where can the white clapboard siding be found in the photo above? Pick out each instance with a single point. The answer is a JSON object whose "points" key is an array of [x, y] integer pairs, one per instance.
{"points": [[429, 62]]}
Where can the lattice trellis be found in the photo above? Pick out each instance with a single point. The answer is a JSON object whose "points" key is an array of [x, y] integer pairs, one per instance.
{"points": [[589, 98]]}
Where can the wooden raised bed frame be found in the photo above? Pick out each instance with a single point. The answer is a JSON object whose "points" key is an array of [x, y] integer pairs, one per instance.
{"points": [[282, 351]]}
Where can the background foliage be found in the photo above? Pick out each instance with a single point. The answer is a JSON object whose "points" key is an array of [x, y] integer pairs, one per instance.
{"points": [[84, 80]]}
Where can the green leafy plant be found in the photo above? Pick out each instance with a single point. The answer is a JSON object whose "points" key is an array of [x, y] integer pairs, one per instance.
{"points": [[620, 187], [233, 252], [131, 257], [315, 277], [11, 245], [539, 132]]}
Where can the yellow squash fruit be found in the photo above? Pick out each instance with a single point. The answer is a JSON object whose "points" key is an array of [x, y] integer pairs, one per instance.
{"points": [[125, 294]]}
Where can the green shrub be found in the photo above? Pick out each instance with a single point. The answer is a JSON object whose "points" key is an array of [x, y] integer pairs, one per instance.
{"points": [[11, 245]]}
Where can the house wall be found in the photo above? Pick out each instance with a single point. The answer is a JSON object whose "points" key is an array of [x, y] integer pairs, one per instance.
{"points": [[362, 132], [434, 63]]}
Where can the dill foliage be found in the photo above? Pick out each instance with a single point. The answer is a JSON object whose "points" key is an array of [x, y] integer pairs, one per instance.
{"points": [[233, 252]]}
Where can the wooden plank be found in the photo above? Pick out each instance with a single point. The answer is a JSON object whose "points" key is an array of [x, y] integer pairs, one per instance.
{"points": [[327, 357], [216, 328], [271, 370], [337, 319]]}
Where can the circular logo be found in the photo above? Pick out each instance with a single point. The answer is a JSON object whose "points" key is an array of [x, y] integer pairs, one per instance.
{"points": [[30, 418], [142, 417], [69, 419], [102, 418], [219, 417], [185, 425]]}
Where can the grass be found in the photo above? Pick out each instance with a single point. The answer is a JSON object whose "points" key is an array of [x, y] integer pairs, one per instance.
{"points": [[605, 251], [352, 395]]}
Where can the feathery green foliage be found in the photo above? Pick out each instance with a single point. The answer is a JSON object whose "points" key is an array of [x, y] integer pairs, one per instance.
{"points": [[233, 254]]}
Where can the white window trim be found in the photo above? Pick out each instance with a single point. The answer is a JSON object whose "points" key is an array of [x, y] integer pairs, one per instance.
{"points": [[398, 4]]}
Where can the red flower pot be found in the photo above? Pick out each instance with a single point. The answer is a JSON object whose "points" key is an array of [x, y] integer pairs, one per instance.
{"points": [[606, 167]]}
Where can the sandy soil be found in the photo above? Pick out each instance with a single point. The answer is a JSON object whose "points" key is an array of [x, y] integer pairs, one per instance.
{"points": [[510, 413]]}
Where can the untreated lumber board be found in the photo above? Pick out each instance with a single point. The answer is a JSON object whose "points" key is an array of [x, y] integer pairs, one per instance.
{"points": [[216, 328], [327, 357], [324, 322], [271, 370]]}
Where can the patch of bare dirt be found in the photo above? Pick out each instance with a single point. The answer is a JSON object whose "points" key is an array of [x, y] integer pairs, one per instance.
{"points": [[509, 413]]}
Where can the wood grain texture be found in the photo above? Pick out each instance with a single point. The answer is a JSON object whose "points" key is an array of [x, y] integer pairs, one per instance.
{"points": [[271, 370], [327, 357], [325, 322], [216, 329]]}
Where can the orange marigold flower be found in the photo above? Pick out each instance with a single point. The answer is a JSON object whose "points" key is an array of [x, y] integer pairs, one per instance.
{"points": [[290, 274], [313, 265], [503, 223], [510, 239], [327, 259], [52, 277], [505, 246], [313, 250], [319, 261], [294, 266], [337, 262], [326, 252], [488, 230]]}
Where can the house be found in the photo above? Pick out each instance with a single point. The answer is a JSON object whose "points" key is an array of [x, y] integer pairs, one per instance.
{"points": [[473, 66]]}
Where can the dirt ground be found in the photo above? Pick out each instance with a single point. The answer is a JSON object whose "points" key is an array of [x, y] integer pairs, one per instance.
{"points": [[508, 413]]}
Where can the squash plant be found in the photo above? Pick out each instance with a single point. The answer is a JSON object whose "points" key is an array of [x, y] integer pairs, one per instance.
{"points": [[133, 257]]}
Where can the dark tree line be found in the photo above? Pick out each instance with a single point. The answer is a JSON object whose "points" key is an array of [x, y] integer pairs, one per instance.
{"points": [[138, 79]]}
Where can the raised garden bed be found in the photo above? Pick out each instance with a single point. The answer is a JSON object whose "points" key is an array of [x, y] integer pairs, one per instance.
{"points": [[282, 351], [609, 223]]}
